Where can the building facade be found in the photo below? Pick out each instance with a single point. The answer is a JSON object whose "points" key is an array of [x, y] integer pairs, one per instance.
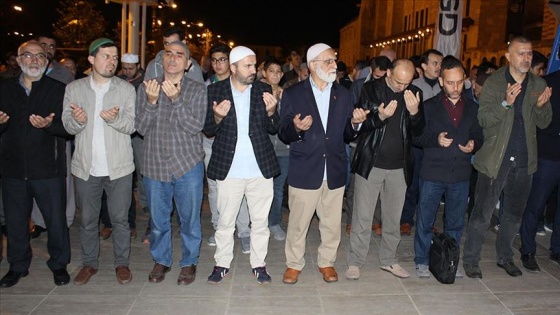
{"points": [[408, 26]]}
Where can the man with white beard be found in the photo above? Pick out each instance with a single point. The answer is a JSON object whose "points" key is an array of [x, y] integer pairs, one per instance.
{"points": [[33, 163], [317, 119]]}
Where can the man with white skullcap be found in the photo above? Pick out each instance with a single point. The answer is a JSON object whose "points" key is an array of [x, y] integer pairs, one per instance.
{"points": [[317, 121], [131, 70], [241, 114]]}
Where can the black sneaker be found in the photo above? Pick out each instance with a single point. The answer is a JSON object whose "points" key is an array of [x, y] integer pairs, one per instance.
{"points": [[262, 276], [510, 268], [472, 271], [555, 258], [530, 263], [218, 274]]}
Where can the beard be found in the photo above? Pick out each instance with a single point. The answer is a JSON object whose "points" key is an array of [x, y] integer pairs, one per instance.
{"points": [[33, 70], [325, 76]]}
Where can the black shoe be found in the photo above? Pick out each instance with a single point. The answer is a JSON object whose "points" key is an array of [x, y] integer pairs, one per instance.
{"points": [[555, 258], [472, 271], [12, 278], [510, 268], [36, 231], [530, 263], [61, 276]]}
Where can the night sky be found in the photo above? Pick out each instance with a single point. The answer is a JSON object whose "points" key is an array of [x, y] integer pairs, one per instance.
{"points": [[288, 23]]}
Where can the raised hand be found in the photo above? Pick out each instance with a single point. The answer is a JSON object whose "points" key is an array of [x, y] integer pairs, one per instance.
{"points": [[4, 118], [78, 114], [387, 111], [41, 122], [270, 101], [109, 115], [443, 141], [152, 91], [412, 101], [302, 124], [221, 110]]}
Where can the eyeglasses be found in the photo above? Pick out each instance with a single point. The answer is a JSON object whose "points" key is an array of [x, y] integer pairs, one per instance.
{"points": [[45, 45], [219, 60], [29, 56], [327, 61]]}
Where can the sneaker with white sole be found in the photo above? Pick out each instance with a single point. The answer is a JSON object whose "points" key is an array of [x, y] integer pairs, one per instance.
{"points": [[423, 271], [277, 232], [352, 273], [396, 270], [218, 273], [262, 276], [211, 241], [245, 245]]}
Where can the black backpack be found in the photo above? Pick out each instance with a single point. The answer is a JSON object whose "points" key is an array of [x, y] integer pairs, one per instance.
{"points": [[444, 258]]}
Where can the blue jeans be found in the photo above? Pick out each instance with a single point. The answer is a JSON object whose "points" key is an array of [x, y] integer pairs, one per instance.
{"points": [[545, 180], [411, 199], [187, 193], [516, 185], [275, 215], [456, 199]]}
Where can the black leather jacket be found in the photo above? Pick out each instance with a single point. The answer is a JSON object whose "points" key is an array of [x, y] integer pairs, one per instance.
{"points": [[373, 129]]}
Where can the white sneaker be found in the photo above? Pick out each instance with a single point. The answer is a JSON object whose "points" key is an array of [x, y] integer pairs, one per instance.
{"points": [[277, 232], [459, 274], [211, 241], [352, 273], [396, 270], [423, 271], [245, 245]]}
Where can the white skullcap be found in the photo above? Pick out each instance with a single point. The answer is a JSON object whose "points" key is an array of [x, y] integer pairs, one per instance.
{"points": [[240, 52], [315, 50], [129, 58]]}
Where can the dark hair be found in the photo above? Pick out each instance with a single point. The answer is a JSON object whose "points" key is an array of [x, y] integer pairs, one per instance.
{"points": [[425, 58], [484, 66], [220, 47], [450, 62], [538, 58], [271, 61], [416, 60], [381, 62], [174, 30]]}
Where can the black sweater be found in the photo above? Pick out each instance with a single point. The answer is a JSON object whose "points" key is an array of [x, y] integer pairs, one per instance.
{"points": [[27, 152]]}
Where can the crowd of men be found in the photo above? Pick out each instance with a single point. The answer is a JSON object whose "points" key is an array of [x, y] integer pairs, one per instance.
{"points": [[387, 144]]}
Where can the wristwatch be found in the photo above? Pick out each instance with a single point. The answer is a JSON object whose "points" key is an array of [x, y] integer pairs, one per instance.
{"points": [[506, 105]]}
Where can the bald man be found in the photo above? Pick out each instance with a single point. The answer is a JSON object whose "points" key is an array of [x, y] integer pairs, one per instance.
{"points": [[383, 164]]}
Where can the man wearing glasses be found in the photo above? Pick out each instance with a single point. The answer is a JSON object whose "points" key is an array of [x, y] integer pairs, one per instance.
{"points": [[33, 163], [155, 67], [54, 70], [317, 120]]}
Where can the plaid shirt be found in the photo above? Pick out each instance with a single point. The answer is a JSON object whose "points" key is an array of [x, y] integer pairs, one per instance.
{"points": [[172, 131]]}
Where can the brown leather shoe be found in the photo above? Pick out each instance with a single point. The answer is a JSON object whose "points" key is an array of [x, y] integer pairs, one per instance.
{"points": [[187, 275], [405, 229], [84, 275], [348, 229], [376, 229], [158, 273], [105, 233], [329, 274], [123, 274], [291, 276]]}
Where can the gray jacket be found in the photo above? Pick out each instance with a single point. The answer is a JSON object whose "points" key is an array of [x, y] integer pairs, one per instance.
{"points": [[117, 133]]}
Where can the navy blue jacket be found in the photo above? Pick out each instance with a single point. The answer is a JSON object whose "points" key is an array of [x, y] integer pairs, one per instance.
{"points": [[225, 141], [448, 165], [310, 149]]}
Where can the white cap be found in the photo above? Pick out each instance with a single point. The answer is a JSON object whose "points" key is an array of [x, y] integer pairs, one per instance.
{"points": [[316, 50], [129, 58], [240, 52]]}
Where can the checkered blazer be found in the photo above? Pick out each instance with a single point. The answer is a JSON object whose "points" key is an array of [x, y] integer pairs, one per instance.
{"points": [[260, 126]]}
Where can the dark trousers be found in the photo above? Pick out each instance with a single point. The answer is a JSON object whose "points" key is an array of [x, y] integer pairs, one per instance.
{"points": [[516, 185], [50, 195], [545, 180], [412, 191]]}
